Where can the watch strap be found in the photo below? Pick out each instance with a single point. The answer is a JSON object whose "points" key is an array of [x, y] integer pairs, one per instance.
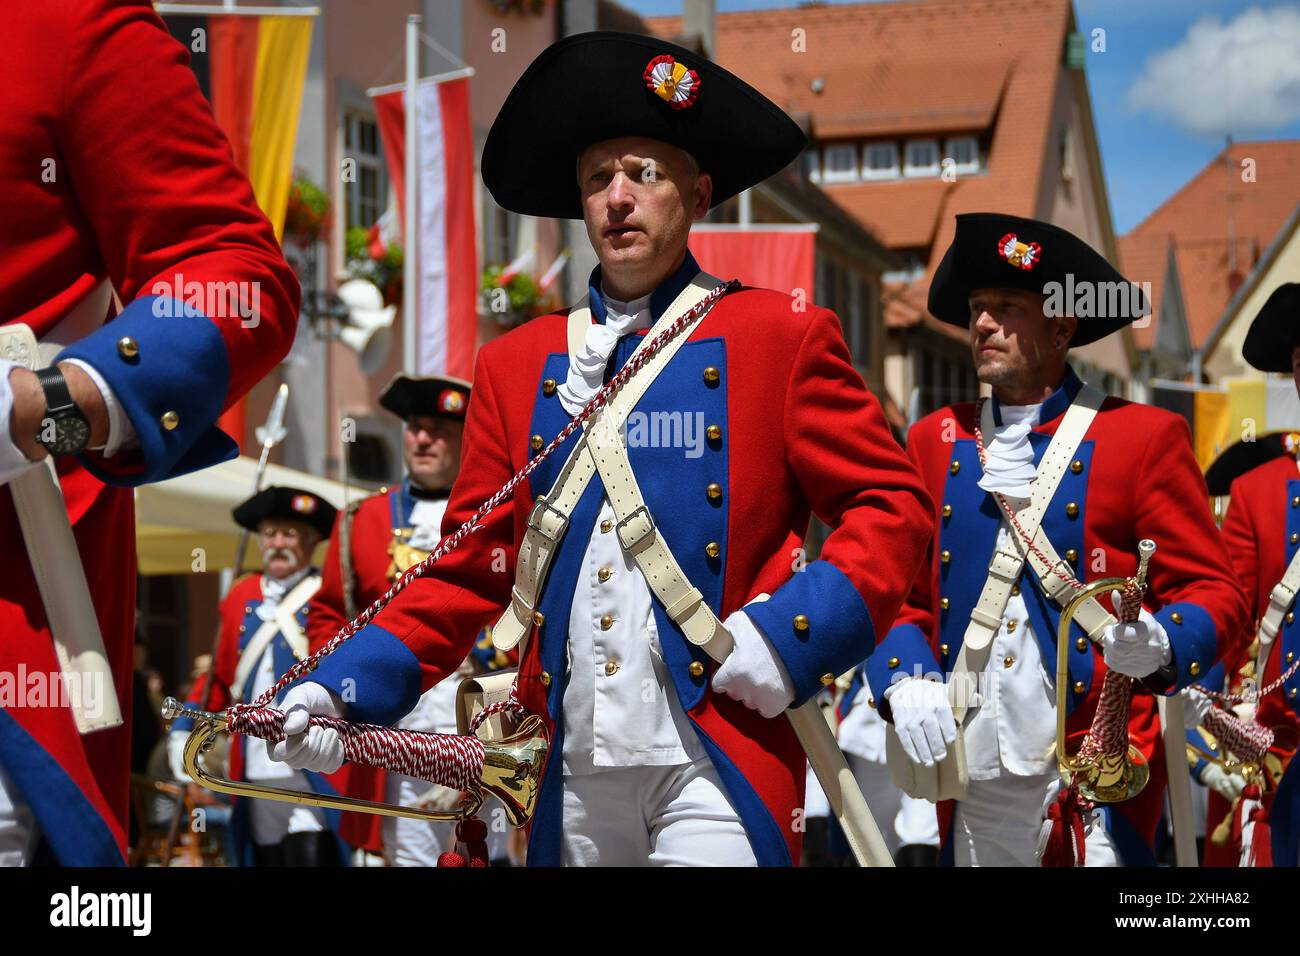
{"points": [[57, 394]]}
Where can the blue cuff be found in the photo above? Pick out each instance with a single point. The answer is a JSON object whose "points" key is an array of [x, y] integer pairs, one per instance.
{"points": [[374, 674], [167, 365], [183, 724], [1192, 637], [838, 632], [903, 653]]}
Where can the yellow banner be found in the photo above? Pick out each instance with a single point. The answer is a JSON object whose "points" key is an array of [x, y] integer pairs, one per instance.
{"points": [[283, 47]]}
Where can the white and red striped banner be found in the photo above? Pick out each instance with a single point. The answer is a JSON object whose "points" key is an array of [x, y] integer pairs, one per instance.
{"points": [[447, 271]]}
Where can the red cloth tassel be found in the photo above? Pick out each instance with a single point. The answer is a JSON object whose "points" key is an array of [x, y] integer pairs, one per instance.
{"points": [[471, 845], [1261, 839], [1066, 844]]}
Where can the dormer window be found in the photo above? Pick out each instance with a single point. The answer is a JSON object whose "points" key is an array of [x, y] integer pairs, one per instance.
{"points": [[964, 152], [880, 161], [921, 158], [841, 163]]}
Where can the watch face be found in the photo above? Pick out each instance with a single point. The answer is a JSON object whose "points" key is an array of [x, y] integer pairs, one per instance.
{"points": [[71, 434]]}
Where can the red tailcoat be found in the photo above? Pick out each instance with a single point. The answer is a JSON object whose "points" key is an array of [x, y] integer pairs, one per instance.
{"points": [[1134, 476], [799, 433], [1262, 531], [112, 169]]}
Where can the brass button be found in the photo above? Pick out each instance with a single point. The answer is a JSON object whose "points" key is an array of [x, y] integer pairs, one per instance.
{"points": [[1011, 626], [1072, 510], [943, 603], [828, 679], [248, 609], [947, 511], [1071, 555], [1176, 617], [713, 432], [536, 442], [603, 574], [892, 662], [1290, 656], [711, 375], [127, 347], [1081, 644], [801, 622], [696, 669], [945, 556], [1079, 687], [871, 702], [713, 549], [1015, 590], [546, 679], [243, 628], [1295, 502], [1291, 693], [954, 468], [539, 618], [1194, 667], [611, 668], [606, 622], [943, 649], [1009, 660], [548, 387], [1290, 617], [1076, 466], [170, 420], [606, 527], [1294, 537], [714, 491]]}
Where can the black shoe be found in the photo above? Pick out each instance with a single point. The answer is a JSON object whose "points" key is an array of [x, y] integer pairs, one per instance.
{"points": [[916, 854]]}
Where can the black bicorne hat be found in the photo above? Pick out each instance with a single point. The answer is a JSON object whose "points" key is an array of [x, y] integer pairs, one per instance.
{"points": [[279, 501], [1275, 332], [995, 251], [593, 87], [440, 396]]}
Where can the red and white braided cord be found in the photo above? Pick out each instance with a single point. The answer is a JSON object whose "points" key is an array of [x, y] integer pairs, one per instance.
{"points": [[453, 761], [447, 759]]}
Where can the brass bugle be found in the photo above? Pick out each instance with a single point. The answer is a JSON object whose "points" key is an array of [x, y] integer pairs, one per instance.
{"points": [[1110, 777], [512, 772]]}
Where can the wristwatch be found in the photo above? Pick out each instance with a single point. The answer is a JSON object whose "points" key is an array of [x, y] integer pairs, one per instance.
{"points": [[71, 431]]}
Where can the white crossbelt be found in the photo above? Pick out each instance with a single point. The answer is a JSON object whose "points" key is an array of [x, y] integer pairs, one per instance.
{"points": [[56, 561], [282, 623], [549, 519]]}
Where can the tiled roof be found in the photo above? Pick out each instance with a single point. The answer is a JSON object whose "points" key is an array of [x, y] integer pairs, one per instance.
{"points": [[1214, 205]]}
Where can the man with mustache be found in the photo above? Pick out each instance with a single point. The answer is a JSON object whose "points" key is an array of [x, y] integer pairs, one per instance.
{"points": [[620, 586], [983, 608], [262, 632], [375, 541]]}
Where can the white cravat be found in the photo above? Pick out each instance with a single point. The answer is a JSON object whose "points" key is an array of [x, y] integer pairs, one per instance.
{"points": [[1009, 457], [587, 366]]}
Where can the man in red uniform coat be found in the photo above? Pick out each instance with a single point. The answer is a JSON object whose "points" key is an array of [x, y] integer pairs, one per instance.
{"points": [[115, 179], [263, 632], [658, 755], [1262, 531], [384, 535], [1130, 474]]}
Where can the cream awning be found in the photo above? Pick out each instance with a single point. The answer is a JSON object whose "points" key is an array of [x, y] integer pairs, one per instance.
{"points": [[181, 520]]}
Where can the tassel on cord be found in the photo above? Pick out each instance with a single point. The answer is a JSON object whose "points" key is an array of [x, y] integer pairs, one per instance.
{"points": [[471, 845], [1066, 843]]}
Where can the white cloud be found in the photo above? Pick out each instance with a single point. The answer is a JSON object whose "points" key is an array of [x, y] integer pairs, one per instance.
{"points": [[1237, 77]]}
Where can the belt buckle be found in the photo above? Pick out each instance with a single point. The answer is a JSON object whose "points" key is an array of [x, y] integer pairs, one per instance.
{"points": [[650, 522], [540, 507]]}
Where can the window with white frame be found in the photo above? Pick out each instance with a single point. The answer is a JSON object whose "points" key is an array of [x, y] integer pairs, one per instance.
{"points": [[812, 165], [964, 151], [841, 163], [880, 161], [921, 158], [365, 197]]}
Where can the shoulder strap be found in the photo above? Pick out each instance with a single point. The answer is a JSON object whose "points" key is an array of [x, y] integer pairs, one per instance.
{"points": [[281, 623], [549, 519]]}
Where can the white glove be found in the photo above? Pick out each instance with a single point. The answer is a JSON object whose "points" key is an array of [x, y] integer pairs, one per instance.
{"points": [[753, 673], [1135, 650], [1225, 784], [176, 755], [306, 747], [923, 719], [1196, 706]]}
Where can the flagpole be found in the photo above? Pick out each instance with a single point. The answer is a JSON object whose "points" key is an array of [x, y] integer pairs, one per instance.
{"points": [[410, 250]]}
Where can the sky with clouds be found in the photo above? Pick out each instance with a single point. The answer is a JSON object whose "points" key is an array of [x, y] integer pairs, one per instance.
{"points": [[1176, 77]]}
